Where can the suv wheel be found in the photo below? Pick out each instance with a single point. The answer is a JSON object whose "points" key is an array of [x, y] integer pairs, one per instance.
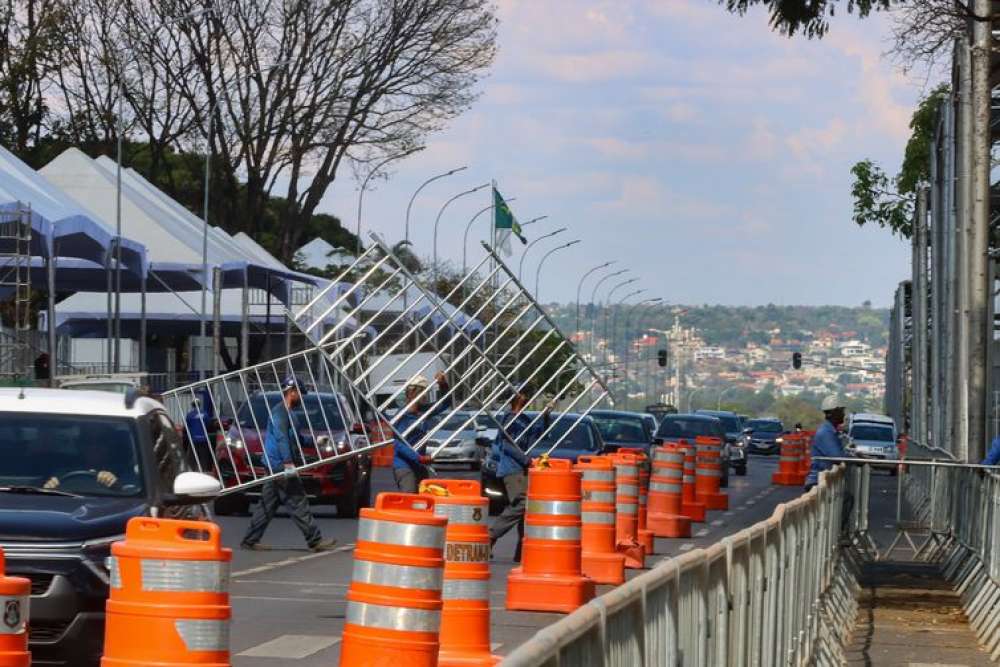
{"points": [[350, 506], [234, 504], [741, 471]]}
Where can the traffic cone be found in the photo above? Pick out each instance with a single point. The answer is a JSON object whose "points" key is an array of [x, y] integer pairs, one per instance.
{"points": [[644, 535], [600, 561], [550, 577], [789, 462], [465, 610], [15, 593], [627, 510], [169, 603], [394, 600], [708, 473], [666, 518], [690, 507]]}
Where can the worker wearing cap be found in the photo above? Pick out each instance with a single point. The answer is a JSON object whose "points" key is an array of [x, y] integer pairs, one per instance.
{"points": [[409, 467], [826, 442], [286, 489], [512, 464]]}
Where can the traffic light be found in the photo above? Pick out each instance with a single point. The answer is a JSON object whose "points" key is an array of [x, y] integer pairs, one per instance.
{"points": [[661, 357], [796, 360]]}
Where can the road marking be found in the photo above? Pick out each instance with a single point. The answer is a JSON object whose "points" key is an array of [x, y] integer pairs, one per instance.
{"points": [[727, 514], [717, 522], [273, 598], [267, 567], [495, 646], [294, 647], [687, 546], [701, 533], [751, 503], [291, 583]]}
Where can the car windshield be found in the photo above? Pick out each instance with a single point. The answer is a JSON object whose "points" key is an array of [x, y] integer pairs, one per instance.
{"points": [[730, 423], [764, 426], [872, 432], [70, 453], [579, 436], [319, 411], [686, 427], [621, 428]]}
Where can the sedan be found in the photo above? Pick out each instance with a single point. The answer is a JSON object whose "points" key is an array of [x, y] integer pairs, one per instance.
{"points": [[463, 438], [623, 429]]}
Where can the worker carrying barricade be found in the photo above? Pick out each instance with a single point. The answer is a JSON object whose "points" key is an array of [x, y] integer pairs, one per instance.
{"points": [[551, 577], [15, 592], [394, 600], [601, 562], [465, 594], [666, 518], [708, 473], [169, 603]]}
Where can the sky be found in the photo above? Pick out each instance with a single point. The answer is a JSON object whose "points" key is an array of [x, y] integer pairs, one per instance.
{"points": [[700, 150]]}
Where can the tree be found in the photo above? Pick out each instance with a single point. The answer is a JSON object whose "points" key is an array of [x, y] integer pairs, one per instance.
{"points": [[810, 17], [888, 202]]}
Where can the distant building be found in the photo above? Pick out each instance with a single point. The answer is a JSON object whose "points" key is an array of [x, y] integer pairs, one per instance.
{"points": [[709, 352]]}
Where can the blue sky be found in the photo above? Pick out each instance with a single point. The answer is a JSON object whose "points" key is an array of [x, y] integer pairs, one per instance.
{"points": [[702, 151]]}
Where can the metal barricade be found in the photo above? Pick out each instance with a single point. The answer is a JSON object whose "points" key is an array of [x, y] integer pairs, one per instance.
{"points": [[776, 593]]}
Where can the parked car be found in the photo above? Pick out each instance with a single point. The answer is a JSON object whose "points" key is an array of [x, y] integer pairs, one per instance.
{"points": [[763, 436], [581, 438], [466, 442], [677, 427], [345, 483], [623, 429], [734, 430], [58, 517], [873, 440]]}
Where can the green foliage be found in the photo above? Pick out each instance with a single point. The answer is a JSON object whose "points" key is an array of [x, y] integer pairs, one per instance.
{"points": [[810, 17], [888, 202]]}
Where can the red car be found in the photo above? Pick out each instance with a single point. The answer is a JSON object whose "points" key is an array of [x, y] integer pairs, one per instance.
{"points": [[345, 483]]}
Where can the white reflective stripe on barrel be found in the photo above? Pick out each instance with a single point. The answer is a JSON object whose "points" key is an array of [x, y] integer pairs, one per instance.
{"points": [[466, 589], [203, 635], [562, 533], [557, 507], [665, 487], [114, 572], [461, 515], [626, 471], [598, 475], [202, 576], [627, 508], [689, 479], [598, 496], [15, 614], [671, 472], [628, 490], [598, 517], [400, 534], [402, 619], [707, 472], [398, 576]]}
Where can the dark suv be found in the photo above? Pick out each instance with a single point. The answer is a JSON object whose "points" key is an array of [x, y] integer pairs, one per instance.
{"points": [[76, 467], [687, 427]]}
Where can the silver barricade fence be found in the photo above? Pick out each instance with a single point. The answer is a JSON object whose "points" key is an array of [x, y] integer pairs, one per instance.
{"points": [[776, 593]]}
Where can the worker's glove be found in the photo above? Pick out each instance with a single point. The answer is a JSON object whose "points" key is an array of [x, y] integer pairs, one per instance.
{"points": [[291, 470]]}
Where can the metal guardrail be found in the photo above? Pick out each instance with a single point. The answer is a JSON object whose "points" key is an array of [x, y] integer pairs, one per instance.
{"points": [[776, 593]]}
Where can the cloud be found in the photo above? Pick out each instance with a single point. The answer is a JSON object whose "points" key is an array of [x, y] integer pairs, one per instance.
{"points": [[810, 143], [597, 66], [646, 197], [681, 112]]}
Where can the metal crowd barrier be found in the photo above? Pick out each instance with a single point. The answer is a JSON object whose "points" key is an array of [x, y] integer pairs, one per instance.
{"points": [[776, 593]]}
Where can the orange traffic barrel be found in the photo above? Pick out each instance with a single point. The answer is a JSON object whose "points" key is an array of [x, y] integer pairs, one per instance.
{"points": [[666, 518], [169, 603], [597, 513], [690, 507], [789, 471], [551, 577], [627, 510], [465, 594], [708, 473], [15, 593], [394, 600], [645, 536]]}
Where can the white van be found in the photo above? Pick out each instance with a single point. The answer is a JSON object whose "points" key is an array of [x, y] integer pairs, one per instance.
{"points": [[872, 436]]}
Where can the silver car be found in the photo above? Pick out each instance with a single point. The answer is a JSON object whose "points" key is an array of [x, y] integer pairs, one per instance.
{"points": [[466, 444], [870, 440]]}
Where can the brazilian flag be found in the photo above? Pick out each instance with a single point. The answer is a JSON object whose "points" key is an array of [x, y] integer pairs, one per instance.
{"points": [[505, 223]]}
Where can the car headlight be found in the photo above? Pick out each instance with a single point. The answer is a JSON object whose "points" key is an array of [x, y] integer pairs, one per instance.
{"points": [[779, 440], [235, 443]]}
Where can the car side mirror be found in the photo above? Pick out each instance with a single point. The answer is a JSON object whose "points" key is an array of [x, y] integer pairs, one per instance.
{"points": [[192, 488]]}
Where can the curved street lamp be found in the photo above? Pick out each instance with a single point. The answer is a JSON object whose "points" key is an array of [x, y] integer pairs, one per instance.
{"points": [[579, 286], [691, 395], [520, 266], [628, 346], [364, 185], [593, 300], [718, 405], [437, 221], [406, 234], [538, 271], [614, 320], [465, 239], [607, 305]]}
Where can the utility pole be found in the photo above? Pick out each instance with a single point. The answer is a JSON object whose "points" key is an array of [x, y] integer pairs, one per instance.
{"points": [[980, 330], [963, 177], [918, 425]]}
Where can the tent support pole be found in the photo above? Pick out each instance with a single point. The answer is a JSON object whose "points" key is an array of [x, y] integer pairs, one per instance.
{"points": [[288, 320], [216, 318], [142, 325], [50, 266], [245, 323], [267, 319], [110, 330]]}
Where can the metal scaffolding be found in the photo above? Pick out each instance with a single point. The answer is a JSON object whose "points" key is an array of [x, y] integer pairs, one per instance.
{"points": [[15, 293]]}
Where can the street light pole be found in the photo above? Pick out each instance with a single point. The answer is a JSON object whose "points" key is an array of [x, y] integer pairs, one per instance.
{"points": [[406, 233], [718, 405], [593, 315], [579, 286], [628, 346], [364, 186], [520, 266], [437, 221], [614, 325], [538, 271], [465, 238], [607, 302]]}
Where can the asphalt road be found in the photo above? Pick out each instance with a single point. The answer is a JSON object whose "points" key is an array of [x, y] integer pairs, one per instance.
{"points": [[288, 603]]}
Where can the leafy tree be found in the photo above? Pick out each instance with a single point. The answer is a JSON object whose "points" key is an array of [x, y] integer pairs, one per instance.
{"points": [[810, 17], [888, 202]]}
